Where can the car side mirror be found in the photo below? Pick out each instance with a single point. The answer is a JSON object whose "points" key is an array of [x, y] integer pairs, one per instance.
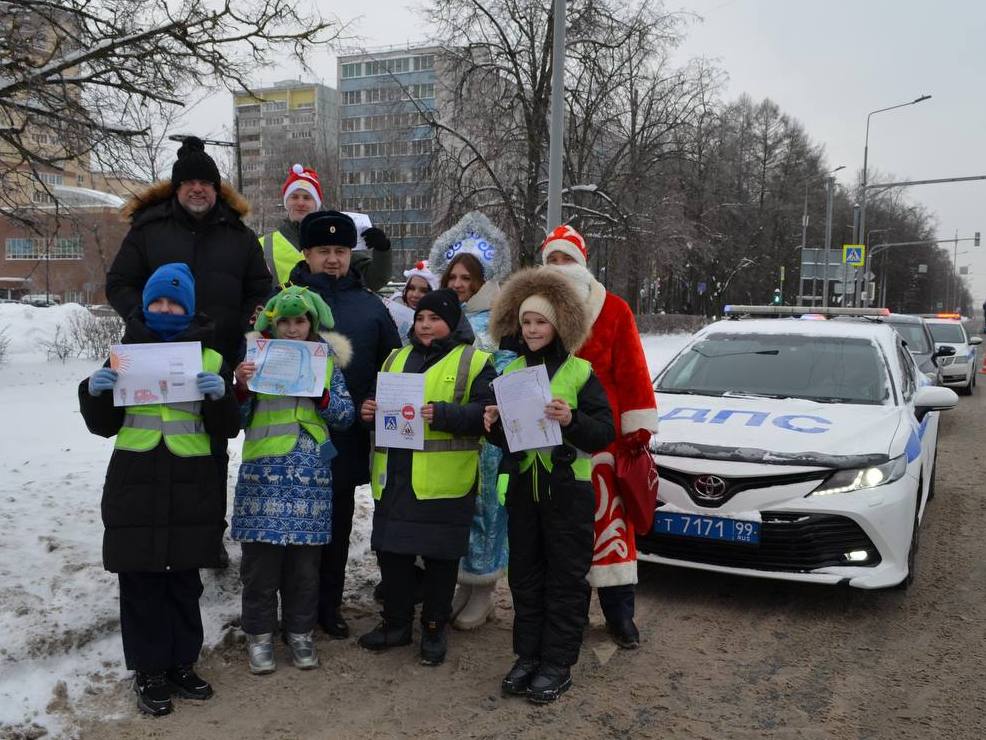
{"points": [[975, 340], [933, 398], [945, 350]]}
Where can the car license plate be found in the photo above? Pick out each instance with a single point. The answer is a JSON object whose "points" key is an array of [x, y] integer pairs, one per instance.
{"points": [[707, 527]]}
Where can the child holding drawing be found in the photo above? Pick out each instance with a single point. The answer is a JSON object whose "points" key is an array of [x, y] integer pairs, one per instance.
{"points": [[425, 499], [282, 510], [549, 496], [164, 500]]}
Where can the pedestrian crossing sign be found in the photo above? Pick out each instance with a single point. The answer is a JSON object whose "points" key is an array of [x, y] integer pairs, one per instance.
{"points": [[853, 254]]}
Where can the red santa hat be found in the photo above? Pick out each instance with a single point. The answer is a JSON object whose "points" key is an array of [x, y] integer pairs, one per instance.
{"points": [[568, 240], [421, 270], [302, 178]]}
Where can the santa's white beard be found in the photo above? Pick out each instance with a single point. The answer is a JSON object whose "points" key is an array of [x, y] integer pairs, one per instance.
{"points": [[578, 277]]}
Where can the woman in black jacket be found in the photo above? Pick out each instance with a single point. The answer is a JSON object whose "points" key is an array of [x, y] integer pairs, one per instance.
{"points": [[164, 503], [327, 241], [549, 498]]}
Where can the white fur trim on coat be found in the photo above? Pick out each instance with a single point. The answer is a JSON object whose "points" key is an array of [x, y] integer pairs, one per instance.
{"points": [[475, 579], [631, 421], [342, 348], [617, 574]]}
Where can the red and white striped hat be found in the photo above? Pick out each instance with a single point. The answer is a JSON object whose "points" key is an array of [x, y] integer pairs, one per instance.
{"points": [[568, 240], [302, 178]]}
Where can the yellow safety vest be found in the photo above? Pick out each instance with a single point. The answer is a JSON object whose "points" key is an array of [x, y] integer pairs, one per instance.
{"points": [[280, 255], [180, 424], [566, 384], [277, 420], [447, 466]]}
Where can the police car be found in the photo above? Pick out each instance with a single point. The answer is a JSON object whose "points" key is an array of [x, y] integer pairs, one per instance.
{"points": [[959, 369], [793, 449]]}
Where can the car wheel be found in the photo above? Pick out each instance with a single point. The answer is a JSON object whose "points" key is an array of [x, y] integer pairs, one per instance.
{"points": [[912, 551]]}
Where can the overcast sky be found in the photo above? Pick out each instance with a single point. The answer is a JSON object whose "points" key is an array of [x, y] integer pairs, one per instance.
{"points": [[825, 63]]}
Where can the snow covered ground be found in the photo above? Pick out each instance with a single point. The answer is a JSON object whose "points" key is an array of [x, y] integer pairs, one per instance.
{"points": [[59, 618]]}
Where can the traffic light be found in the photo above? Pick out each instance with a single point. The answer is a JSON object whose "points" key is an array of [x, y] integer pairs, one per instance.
{"points": [[776, 300]]}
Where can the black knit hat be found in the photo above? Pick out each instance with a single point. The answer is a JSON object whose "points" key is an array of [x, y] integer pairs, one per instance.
{"points": [[444, 303], [327, 229], [194, 164]]}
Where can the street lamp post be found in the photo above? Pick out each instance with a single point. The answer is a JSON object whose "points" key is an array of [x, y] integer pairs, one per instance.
{"points": [[557, 121], [218, 142], [866, 153], [828, 224]]}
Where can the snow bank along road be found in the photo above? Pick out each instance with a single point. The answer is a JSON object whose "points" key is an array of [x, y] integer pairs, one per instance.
{"points": [[722, 657]]}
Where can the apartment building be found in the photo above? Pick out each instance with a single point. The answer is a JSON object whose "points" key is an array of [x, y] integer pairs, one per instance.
{"points": [[386, 146], [277, 126]]}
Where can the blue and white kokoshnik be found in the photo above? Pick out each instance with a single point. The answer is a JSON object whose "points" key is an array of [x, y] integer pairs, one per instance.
{"points": [[474, 234]]}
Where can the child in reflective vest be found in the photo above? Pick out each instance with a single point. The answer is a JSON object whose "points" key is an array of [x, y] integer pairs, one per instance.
{"points": [[164, 500], [549, 496], [282, 509], [425, 498]]}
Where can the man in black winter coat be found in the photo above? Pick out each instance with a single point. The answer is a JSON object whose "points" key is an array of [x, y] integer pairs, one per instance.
{"points": [[196, 219]]}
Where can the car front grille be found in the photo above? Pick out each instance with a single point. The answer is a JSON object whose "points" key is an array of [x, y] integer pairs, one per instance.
{"points": [[789, 542], [734, 486]]}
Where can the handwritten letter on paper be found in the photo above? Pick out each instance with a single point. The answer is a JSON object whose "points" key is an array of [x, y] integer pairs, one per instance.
{"points": [[521, 397]]}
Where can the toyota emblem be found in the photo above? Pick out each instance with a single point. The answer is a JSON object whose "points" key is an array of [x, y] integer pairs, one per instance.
{"points": [[709, 487]]}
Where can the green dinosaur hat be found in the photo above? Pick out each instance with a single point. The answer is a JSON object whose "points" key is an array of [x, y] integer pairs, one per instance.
{"points": [[296, 301]]}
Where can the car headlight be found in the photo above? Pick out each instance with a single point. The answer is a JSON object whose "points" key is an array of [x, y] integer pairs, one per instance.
{"points": [[861, 479]]}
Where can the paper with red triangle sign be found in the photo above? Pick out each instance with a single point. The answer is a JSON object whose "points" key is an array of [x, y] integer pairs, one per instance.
{"points": [[287, 367]]}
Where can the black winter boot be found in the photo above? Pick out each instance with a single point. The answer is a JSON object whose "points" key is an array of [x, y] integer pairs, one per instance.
{"points": [[550, 682], [384, 637], [434, 643], [335, 625], [518, 681], [187, 684], [153, 694], [624, 633]]}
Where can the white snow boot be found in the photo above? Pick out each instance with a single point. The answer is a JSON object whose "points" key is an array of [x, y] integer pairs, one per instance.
{"points": [[462, 593], [477, 610]]}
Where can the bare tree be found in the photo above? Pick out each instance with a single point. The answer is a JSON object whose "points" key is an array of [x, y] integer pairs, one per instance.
{"points": [[91, 75]]}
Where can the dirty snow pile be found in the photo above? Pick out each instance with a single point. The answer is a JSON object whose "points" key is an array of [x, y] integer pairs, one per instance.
{"points": [[59, 611]]}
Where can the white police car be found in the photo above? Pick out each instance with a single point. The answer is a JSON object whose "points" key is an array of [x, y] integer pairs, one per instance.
{"points": [[957, 370], [792, 449]]}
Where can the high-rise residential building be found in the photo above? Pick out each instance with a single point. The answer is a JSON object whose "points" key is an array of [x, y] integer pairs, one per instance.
{"points": [[386, 145], [278, 126]]}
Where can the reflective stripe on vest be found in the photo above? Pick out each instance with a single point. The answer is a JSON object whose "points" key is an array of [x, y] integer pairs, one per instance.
{"points": [[280, 255], [180, 424], [567, 383], [447, 466], [277, 420]]}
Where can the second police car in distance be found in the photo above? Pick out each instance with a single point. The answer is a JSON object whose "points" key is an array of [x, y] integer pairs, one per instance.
{"points": [[793, 449], [959, 369]]}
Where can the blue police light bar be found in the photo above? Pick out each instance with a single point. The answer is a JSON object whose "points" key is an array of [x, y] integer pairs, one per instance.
{"points": [[736, 311]]}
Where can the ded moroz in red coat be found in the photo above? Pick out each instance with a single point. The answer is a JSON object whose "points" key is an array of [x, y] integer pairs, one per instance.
{"points": [[618, 361]]}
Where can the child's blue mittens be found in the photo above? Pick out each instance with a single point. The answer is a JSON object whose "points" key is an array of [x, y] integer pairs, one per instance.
{"points": [[102, 380], [210, 385]]}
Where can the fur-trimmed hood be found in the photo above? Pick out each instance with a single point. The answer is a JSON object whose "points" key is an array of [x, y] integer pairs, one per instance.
{"points": [[573, 321], [162, 191], [340, 345]]}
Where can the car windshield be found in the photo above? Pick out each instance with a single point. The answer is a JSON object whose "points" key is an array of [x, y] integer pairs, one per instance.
{"points": [[949, 333], [913, 333], [818, 368]]}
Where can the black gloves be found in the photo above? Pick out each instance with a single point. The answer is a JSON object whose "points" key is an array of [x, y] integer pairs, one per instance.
{"points": [[376, 239]]}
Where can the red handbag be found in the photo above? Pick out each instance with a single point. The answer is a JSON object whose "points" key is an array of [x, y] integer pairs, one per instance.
{"points": [[637, 480]]}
